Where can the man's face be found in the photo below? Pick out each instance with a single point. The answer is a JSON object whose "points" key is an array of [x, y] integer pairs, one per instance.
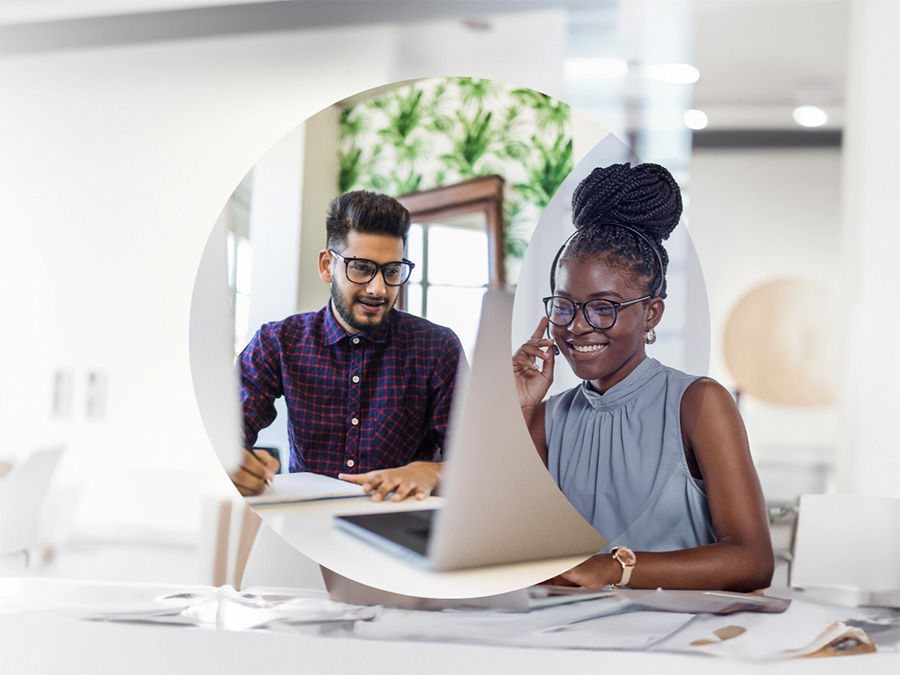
{"points": [[359, 307]]}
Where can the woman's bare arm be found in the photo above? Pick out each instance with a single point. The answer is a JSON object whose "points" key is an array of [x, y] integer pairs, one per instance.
{"points": [[741, 559]]}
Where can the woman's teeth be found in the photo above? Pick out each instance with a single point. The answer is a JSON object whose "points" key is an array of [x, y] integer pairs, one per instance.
{"points": [[587, 348]]}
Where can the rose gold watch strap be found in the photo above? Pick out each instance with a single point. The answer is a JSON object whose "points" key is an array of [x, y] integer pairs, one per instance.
{"points": [[626, 567]]}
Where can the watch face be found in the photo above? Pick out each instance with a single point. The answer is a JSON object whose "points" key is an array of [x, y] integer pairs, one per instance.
{"points": [[625, 556]]}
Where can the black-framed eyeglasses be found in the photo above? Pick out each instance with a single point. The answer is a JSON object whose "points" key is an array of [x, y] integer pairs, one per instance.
{"points": [[363, 270], [599, 313]]}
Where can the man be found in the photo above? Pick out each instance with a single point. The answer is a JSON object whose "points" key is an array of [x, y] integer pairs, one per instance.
{"points": [[368, 388]]}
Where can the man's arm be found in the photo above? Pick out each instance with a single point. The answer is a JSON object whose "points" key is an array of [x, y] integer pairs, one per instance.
{"points": [[260, 374]]}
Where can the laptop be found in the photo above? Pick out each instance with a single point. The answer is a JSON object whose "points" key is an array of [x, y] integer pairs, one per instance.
{"points": [[500, 503]]}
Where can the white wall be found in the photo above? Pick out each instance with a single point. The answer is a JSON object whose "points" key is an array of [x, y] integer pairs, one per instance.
{"points": [[869, 456], [755, 215], [114, 164], [320, 185]]}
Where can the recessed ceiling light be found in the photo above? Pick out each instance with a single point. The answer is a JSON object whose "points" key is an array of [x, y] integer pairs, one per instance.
{"points": [[695, 119], [595, 69], [675, 73], [810, 116]]}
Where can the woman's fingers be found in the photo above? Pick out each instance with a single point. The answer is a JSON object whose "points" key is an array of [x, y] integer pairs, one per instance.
{"points": [[541, 327]]}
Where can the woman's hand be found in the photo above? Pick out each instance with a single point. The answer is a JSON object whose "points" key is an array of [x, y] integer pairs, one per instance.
{"points": [[533, 381], [596, 572]]}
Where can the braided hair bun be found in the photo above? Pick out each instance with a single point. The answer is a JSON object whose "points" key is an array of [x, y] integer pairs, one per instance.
{"points": [[644, 198]]}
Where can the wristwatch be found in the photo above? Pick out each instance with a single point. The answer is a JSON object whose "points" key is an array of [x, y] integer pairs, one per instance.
{"points": [[627, 559]]}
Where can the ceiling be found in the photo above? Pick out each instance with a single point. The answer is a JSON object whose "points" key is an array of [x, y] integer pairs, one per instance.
{"points": [[757, 58], [760, 58]]}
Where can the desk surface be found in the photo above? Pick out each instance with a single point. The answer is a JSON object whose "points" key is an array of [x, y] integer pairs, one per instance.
{"points": [[48, 637], [310, 528]]}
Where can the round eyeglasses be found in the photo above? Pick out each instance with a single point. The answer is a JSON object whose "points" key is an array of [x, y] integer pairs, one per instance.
{"points": [[599, 313], [363, 270]]}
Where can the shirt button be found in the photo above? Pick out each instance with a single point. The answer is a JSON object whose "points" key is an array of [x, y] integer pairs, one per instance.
{"points": [[354, 421], [355, 341], [355, 379], [351, 463]]}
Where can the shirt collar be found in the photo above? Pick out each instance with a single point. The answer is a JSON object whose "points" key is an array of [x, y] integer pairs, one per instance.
{"points": [[334, 333]]}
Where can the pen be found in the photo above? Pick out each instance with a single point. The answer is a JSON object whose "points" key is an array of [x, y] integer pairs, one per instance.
{"points": [[268, 481]]}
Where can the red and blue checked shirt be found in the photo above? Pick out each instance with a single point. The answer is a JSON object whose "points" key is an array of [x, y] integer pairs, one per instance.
{"points": [[356, 403]]}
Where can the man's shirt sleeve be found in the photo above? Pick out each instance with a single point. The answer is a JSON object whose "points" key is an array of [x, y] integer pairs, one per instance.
{"points": [[261, 384]]}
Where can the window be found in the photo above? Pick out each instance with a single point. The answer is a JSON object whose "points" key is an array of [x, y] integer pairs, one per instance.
{"points": [[456, 243]]}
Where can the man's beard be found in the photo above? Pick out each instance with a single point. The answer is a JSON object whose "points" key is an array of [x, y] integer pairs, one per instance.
{"points": [[345, 310]]}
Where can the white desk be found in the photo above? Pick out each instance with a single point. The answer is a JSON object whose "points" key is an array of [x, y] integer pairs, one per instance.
{"points": [[310, 528], [48, 637]]}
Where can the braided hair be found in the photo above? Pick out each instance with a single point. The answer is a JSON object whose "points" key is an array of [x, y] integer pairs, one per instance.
{"points": [[644, 198]]}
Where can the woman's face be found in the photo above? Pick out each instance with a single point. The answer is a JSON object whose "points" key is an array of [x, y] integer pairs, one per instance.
{"points": [[604, 357]]}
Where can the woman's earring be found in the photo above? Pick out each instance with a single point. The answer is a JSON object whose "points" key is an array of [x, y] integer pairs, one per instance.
{"points": [[650, 336]]}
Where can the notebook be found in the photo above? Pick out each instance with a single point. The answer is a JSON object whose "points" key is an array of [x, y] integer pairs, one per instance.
{"points": [[303, 486]]}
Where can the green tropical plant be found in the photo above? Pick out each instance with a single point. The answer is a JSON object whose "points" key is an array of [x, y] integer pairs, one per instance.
{"points": [[405, 112], [351, 168], [549, 114], [400, 185], [514, 244], [355, 166], [351, 124], [471, 141], [546, 174], [412, 151], [475, 91], [396, 153], [510, 131]]}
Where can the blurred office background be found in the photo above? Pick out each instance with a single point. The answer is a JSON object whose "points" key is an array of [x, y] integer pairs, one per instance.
{"points": [[126, 126]]}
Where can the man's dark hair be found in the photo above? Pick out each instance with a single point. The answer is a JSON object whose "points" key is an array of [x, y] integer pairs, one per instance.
{"points": [[365, 212]]}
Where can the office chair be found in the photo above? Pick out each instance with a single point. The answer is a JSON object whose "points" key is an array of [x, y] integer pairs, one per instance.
{"points": [[22, 492]]}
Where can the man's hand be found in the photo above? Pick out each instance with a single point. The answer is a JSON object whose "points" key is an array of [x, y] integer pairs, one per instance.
{"points": [[418, 478], [254, 473]]}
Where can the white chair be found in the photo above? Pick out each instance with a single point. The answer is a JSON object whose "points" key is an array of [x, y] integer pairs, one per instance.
{"points": [[22, 492], [273, 562], [847, 550], [242, 551]]}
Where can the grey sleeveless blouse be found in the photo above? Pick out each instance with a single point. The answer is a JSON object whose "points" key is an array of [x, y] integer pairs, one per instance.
{"points": [[619, 458]]}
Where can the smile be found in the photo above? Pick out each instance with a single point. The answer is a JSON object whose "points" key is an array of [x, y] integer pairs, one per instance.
{"points": [[587, 349]]}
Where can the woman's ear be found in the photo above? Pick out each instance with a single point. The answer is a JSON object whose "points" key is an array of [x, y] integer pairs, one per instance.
{"points": [[325, 260], [655, 309]]}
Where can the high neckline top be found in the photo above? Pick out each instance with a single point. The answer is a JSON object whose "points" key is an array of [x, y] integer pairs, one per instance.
{"points": [[619, 458], [621, 392]]}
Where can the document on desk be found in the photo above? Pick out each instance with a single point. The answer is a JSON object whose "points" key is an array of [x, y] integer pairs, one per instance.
{"points": [[303, 486], [802, 629], [597, 623]]}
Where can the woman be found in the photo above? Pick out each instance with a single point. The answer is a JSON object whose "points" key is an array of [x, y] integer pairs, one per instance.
{"points": [[657, 460]]}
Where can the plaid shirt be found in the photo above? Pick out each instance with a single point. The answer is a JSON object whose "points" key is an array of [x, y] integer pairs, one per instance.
{"points": [[356, 403]]}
